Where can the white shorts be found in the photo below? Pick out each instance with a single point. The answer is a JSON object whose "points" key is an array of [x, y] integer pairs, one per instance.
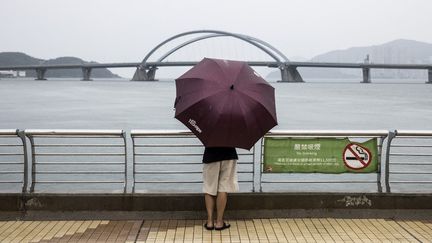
{"points": [[220, 176]]}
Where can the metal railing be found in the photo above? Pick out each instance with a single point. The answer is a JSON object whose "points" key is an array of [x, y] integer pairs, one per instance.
{"points": [[167, 161], [57, 153], [409, 162], [13, 155], [174, 157]]}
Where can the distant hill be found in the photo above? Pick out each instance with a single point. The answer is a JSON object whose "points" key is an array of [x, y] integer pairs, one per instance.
{"points": [[396, 52], [18, 58]]}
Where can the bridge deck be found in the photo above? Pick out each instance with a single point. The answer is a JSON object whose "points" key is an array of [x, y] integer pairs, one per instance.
{"points": [[242, 230]]}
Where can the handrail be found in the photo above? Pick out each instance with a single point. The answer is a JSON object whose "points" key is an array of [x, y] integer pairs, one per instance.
{"points": [[417, 133], [332, 133], [160, 132], [276, 132], [8, 132], [72, 132]]}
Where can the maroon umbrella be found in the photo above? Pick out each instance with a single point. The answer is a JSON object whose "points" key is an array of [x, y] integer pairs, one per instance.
{"points": [[225, 103]]}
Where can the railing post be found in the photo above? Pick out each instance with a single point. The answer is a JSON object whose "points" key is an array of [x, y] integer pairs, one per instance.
{"points": [[255, 167], [40, 72], [33, 163], [86, 74], [21, 135], [290, 74], [133, 162], [260, 160], [379, 175], [429, 76], [366, 75], [390, 137], [123, 134]]}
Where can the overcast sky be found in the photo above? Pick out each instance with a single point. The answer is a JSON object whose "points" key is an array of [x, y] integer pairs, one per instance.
{"points": [[125, 30]]}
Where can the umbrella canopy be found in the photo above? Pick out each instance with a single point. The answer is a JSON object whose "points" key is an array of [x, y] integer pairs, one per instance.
{"points": [[225, 103]]}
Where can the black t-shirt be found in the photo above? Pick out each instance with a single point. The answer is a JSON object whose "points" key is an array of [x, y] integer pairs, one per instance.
{"points": [[214, 154]]}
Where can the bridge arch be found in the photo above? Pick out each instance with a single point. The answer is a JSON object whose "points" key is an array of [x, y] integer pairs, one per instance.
{"points": [[146, 72], [262, 43], [252, 41], [281, 60]]}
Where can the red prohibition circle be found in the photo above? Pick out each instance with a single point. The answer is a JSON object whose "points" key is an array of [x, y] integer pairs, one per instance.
{"points": [[348, 147]]}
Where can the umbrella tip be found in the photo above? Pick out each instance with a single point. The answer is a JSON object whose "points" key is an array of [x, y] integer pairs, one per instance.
{"points": [[232, 87]]}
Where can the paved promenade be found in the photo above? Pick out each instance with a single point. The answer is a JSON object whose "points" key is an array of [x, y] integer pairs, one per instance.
{"points": [[242, 230]]}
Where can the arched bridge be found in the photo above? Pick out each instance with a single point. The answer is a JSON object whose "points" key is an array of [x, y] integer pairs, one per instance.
{"points": [[146, 71]]}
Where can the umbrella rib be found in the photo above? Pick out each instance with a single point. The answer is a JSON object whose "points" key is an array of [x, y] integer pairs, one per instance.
{"points": [[212, 84], [199, 100], [263, 107], [222, 69], [217, 121], [244, 117], [251, 97], [238, 72]]}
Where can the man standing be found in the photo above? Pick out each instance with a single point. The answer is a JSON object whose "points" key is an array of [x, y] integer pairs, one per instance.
{"points": [[219, 178]]}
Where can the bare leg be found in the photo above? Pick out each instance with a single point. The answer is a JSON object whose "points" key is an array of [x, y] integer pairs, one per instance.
{"points": [[210, 205], [221, 201]]}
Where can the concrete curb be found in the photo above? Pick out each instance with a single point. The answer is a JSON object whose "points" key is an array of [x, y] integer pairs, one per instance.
{"points": [[195, 202]]}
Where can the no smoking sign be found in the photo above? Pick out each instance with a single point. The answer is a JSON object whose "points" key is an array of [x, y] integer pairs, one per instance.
{"points": [[356, 157]]}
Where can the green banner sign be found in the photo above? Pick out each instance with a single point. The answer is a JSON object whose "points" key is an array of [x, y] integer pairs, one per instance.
{"points": [[323, 155]]}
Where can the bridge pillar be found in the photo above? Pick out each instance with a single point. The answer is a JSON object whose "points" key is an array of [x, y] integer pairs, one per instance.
{"points": [[142, 75], [429, 76], [151, 73], [290, 74], [40, 72], [366, 75], [86, 74]]}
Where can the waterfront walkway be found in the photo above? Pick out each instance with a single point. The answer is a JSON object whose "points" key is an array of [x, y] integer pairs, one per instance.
{"points": [[242, 230]]}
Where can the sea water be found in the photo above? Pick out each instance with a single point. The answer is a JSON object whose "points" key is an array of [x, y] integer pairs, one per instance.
{"points": [[122, 104]]}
